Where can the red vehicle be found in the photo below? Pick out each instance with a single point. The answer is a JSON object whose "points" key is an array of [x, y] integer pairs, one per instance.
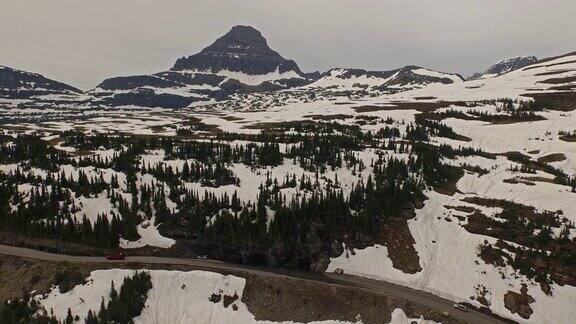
{"points": [[116, 256]]}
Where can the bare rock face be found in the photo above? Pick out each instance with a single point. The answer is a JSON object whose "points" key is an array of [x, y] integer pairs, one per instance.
{"points": [[398, 239], [519, 303], [242, 49], [336, 249]]}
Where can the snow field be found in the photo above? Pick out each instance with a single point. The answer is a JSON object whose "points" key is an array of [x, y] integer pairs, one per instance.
{"points": [[176, 297]]}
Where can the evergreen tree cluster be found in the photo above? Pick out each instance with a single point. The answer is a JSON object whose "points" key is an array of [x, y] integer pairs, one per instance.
{"points": [[24, 310], [124, 305], [121, 309], [49, 212], [320, 212]]}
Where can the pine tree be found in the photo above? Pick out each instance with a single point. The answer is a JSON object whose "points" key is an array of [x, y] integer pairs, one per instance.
{"points": [[69, 319]]}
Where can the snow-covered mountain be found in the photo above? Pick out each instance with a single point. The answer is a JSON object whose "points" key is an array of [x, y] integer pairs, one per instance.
{"points": [[244, 50], [505, 66], [242, 62], [239, 61]]}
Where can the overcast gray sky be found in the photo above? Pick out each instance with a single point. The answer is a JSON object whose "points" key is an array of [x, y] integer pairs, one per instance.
{"points": [[83, 42]]}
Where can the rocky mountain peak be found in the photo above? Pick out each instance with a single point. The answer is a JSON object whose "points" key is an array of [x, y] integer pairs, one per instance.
{"points": [[242, 49], [242, 39]]}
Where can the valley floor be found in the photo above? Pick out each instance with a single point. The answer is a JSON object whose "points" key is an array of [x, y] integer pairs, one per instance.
{"points": [[465, 190]]}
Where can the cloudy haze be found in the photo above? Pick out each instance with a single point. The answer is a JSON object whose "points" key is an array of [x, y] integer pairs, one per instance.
{"points": [[83, 42]]}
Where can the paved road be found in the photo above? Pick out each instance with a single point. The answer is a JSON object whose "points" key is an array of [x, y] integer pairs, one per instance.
{"points": [[417, 296]]}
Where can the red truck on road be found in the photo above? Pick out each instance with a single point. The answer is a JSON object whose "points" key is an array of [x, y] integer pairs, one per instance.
{"points": [[116, 256]]}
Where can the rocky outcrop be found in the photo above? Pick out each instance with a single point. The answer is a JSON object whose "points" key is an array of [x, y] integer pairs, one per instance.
{"points": [[519, 303]]}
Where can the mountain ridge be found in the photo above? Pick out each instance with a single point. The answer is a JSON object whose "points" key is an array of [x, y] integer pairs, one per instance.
{"points": [[20, 84], [241, 61], [505, 66]]}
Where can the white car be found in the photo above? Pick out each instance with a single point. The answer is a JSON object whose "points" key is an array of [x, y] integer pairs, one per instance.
{"points": [[461, 307]]}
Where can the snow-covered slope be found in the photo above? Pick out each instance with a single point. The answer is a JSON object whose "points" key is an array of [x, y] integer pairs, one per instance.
{"points": [[176, 297], [408, 77], [554, 75]]}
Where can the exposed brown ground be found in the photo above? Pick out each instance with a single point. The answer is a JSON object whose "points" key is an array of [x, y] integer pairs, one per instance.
{"points": [[329, 117], [397, 237], [274, 299], [519, 302], [568, 138], [268, 298], [556, 157]]}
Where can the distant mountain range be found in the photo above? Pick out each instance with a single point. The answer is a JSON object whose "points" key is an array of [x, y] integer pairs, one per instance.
{"points": [[238, 62]]}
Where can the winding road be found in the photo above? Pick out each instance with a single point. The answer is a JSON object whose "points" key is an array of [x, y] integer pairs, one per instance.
{"points": [[417, 296]]}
